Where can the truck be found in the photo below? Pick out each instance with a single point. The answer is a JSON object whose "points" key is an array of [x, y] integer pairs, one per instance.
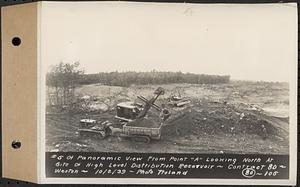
{"points": [[132, 122]]}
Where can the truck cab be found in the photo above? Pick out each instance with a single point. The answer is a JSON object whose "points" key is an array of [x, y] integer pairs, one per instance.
{"points": [[127, 111]]}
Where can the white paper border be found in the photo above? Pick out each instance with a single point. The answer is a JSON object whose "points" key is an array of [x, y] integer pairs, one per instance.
{"points": [[41, 135]]}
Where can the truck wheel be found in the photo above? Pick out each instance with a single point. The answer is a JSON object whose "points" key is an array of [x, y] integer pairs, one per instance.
{"points": [[99, 136], [143, 139], [83, 134]]}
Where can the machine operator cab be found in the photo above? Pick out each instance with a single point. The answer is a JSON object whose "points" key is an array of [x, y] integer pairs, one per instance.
{"points": [[128, 111], [86, 123]]}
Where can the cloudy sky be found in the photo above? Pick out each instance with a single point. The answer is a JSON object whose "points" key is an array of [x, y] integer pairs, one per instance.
{"points": [[248, 42]]}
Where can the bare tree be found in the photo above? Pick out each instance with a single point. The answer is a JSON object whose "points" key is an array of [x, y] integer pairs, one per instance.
{"points": [[62, 80]]}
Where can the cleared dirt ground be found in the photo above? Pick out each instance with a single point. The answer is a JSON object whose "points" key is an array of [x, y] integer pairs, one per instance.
{"points": [[239, 117]]}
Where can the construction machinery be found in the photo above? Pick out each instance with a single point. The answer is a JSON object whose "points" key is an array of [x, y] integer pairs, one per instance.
{"points": [[176, 100], [132, 121]]}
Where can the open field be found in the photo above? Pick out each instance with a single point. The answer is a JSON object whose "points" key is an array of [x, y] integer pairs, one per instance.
{"points": [[238, 117]]}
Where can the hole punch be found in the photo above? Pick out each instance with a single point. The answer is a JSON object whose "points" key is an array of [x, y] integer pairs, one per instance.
{"points": [[16, 144], [16, 41]]}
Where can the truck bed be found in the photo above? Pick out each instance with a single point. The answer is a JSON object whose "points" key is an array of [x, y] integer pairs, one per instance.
{"points": [[143, 122], [143, 127]]}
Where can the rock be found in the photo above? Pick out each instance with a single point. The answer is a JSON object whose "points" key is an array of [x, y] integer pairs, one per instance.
{"points": [[54, 150]]}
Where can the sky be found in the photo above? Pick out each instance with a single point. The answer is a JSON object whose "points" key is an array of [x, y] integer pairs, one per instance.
{"points": [[247, 42]]}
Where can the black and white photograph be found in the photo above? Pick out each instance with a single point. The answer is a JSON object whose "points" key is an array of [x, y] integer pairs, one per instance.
{"points": [[178, 78]]}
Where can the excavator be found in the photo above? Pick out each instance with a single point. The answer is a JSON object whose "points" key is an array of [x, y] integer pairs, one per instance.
{"points": [[133, 121], [176, 100]]}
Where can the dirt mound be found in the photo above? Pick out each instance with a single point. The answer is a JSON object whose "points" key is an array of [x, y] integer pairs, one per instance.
{"points": [[221, 119]]}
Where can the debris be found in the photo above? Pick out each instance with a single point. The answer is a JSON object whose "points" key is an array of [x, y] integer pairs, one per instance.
{"points": [[85, 97], [242, 115], [54, 150], [228, 121]]}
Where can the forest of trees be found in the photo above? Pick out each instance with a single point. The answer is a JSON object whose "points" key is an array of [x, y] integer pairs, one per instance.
{"points": [[61, 82], [63, 78], [153, 77]]}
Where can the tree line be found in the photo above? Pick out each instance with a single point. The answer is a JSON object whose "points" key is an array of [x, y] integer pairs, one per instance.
{"points": [[153, 77], [63, 78]]}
